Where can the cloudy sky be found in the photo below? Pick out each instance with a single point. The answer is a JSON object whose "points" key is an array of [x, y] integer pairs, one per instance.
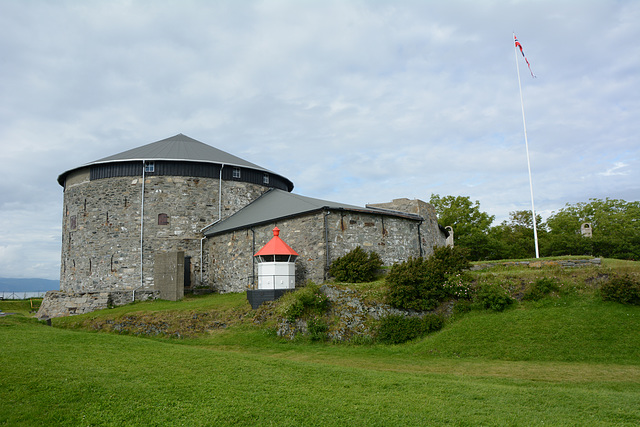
{"points": [[354, 101]]}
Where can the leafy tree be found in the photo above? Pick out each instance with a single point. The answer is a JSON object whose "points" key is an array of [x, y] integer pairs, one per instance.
{"points": [[515, 238], [470, 225], [615, 224], [523, 220]]}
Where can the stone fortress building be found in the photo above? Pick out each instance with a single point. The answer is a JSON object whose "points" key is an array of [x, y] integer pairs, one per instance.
{"points": [[211, 210]]}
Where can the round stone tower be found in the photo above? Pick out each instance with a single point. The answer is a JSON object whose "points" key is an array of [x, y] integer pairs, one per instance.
{"points": [[123, 210]]}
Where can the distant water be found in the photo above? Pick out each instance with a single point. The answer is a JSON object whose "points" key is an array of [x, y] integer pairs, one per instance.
{"points": [[12, 288], [21, 294]]}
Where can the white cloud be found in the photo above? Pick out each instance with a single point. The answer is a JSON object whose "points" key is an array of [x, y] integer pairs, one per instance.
{"points": [[615, 170], [357, 102]]}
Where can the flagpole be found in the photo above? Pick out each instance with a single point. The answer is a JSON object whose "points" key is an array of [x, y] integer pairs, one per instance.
{"points": [[526, 143]]}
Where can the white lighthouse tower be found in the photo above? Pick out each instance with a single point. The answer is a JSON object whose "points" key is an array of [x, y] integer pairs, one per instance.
{"points": [[276, 271]]}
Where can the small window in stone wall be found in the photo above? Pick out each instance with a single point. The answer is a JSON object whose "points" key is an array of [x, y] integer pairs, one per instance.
{"points": [[236, 173], [73, 223], [163, 219], [149, 167]]}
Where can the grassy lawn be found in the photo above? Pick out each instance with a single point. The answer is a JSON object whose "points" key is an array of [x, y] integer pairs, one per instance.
{"points": [[24, 307], [570, 359], [62, 377]]}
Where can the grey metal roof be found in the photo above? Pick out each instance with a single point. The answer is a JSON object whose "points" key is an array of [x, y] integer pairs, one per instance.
{"points": [[180, 147], [276, 204], [176, 148]]}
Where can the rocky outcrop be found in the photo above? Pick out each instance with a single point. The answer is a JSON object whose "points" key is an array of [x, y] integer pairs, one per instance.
{"points": [[353, 318]]}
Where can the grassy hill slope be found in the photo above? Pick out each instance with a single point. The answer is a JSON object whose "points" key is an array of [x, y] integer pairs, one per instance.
{"points": [[567, 330], [569, 359]]}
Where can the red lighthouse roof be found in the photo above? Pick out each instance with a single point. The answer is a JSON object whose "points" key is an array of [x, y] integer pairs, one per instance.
{"points": [[276, 246]]}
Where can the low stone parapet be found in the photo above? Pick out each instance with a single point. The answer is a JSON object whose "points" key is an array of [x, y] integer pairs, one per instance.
{"points": [[541, 263], [61, 304]]}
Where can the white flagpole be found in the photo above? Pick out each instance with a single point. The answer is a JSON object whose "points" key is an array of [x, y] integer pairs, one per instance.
{"points": [[526, 143]]}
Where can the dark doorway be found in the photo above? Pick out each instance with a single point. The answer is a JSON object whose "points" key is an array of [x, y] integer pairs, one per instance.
{"points": [[187, 272]]}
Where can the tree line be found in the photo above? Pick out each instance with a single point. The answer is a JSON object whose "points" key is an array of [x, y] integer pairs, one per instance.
{"points": [[615, 228]]}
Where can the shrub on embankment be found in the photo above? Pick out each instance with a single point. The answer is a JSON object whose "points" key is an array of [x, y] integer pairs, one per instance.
{"points": [[357, 313]]}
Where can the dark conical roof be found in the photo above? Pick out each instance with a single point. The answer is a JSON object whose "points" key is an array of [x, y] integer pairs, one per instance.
{"points": [[176, 148], [179, 147]]}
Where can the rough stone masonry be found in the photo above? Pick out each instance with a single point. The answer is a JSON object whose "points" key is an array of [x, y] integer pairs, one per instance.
{"points": [[123, 212]]}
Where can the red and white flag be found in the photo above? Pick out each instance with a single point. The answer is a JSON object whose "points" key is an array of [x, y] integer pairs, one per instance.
{"points": [[518, 45]]}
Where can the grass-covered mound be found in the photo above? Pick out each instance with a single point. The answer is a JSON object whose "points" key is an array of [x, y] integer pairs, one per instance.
{"points": [[522, 291], [567, 358]]}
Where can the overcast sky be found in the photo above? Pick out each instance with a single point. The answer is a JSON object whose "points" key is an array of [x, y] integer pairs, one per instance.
{"points": [[354, 101]]}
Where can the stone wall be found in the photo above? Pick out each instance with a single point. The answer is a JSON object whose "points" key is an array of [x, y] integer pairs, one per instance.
{"points": [[230, 256], [319, 238], [60, 304], [430, 232], [101, 235], [542, 263], [353, 316], [101, 226], [394, 238]]}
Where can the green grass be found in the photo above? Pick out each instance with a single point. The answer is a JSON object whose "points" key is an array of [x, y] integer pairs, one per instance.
{"points": [[20, 306], [61, 377], [569, 359], [561, 329], [553, 258]]}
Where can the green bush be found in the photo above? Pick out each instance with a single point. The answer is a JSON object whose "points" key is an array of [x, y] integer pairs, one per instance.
{"points": [[623, 289], [305, 301], [493, 297], [540, 289], [396, 329], [293, 309], [356, 267], [406, 285], [458, 286], [317, 328], [450, 260], [462, 307], [421, 284]]}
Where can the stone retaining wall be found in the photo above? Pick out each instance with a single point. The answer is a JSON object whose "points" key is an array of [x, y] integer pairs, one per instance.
{"points": [[355, 316], [60, 304], [540, 264]]}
